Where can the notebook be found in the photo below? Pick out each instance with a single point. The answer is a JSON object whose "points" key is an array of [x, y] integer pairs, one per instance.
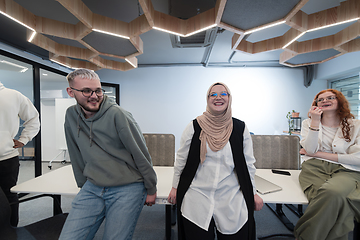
{"points": [[264, 186]]}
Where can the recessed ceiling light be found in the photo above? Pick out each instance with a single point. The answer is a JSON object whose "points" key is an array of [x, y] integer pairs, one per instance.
{"points": [[293, 40], [23, 69], [109, 33], [14, 19], [331, 25], [262, 28]]}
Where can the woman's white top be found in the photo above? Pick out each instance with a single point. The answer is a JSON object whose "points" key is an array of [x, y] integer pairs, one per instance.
{"points": [[322, 140], [214, 191]]}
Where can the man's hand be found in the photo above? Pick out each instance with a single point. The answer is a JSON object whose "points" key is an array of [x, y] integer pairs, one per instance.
{"points": [[150, 200], [17, 144]]}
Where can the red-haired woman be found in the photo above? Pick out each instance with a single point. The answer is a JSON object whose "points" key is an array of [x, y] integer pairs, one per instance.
{"points": [[331, 171]]}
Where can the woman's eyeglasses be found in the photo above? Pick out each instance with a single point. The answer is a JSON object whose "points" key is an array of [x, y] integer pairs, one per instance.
{"points": [[215, 95], [327, 98], [87, 92]]}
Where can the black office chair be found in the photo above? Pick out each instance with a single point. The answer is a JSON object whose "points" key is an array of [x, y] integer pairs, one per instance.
{"points": [[46, 229]]}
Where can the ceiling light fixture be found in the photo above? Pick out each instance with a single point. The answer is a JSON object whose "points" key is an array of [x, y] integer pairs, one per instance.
{"points": [[130, 63], [14, 19], [32, 36], [331, 25], [23, 69], [293, 40], [315, 29], [163, 30], [200, 30], [62, 64], [109, 33], [262, 28]]}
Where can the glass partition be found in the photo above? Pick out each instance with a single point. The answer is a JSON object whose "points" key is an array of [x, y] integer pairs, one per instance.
{"points": [[54, 101], [19, 76], [350, 88]]}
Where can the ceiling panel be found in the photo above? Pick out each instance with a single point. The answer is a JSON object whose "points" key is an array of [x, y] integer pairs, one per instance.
{"points": [[108, 44], [49, 9], [149, 47], [247, 14], [314, 56], [124, 10], [324, 32]]}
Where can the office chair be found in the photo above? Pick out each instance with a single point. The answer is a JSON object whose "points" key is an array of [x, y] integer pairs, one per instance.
{"points": [[162, 151], [161, 148], [278, 152], [46, 229]]}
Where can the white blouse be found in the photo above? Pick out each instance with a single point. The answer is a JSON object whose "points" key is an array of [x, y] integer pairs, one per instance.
{"points": [[214, 191], [348, 152]]}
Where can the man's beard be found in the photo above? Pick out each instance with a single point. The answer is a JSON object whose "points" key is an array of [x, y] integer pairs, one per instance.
{"points": [[89, 109], [86, 107]]}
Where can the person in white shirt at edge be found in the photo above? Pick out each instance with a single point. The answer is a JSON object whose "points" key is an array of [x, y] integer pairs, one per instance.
{"points": [[14, 105], [331, 171], [213, 182]]}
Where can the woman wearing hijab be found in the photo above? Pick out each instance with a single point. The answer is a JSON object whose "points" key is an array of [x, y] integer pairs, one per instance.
{"points": [[213, 183], [330, 175]]}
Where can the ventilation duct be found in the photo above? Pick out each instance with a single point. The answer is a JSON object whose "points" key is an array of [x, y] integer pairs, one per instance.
{"points": [[201, 39]]}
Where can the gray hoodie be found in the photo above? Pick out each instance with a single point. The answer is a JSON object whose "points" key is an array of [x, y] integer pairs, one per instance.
{"points": [[108, 149]]}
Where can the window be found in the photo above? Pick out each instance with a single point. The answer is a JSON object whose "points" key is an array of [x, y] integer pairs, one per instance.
{"points": [[350, 87]]}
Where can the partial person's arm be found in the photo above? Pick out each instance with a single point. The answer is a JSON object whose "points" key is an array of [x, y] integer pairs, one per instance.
{"points": [[181, 157], [320, 154], [309, 138], [353, 152], [77, 161], [250, 161], [134, 142], [30, 116]]}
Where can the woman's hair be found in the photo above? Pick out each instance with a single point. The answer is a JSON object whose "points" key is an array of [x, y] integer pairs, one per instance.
{"points": [[82, 73], [343, 111]]}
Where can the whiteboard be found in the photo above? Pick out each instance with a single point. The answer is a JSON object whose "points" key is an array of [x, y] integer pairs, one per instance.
{"points": [[61, 104]]}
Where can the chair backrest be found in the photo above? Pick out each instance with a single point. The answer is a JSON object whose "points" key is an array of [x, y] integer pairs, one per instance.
{"points": [[276, 151], [161, 148]]}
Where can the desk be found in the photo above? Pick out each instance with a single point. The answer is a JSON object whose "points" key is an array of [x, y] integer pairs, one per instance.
{"points": [[62, 182], [291, 192]]}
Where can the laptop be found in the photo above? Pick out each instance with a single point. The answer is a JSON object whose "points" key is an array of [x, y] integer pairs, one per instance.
{"points": [[264, 186]]}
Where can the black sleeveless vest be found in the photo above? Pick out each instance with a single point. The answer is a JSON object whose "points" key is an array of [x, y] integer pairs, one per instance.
{"points": [[193, 161]]}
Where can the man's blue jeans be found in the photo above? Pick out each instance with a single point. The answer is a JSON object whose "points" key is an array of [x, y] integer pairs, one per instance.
{"points": [[119, 206]]}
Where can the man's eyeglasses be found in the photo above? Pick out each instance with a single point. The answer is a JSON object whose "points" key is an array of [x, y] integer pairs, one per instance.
{"points": [[215, 95], [87, 92], [327, 98]]}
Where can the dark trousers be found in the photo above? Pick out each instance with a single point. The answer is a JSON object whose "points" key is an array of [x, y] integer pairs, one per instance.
{"points": [[9, 172], [193, 232]]}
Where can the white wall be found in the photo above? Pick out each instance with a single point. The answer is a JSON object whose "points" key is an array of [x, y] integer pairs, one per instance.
{"points": [[165, 100]]}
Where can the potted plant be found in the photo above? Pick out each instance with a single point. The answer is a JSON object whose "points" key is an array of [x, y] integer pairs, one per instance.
{"points": [[295, 114]]}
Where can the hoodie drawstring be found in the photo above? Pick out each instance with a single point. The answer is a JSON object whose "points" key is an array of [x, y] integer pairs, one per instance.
{"points": [[78, 129], [78, 125], [91, 133]]}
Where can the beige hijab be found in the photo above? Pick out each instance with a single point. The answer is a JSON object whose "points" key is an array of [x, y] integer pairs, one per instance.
{"points": [[216, 129]]}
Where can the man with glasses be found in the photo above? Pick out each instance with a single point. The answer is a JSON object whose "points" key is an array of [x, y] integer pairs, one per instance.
{"points": [[14, 105], [110, 160]]}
